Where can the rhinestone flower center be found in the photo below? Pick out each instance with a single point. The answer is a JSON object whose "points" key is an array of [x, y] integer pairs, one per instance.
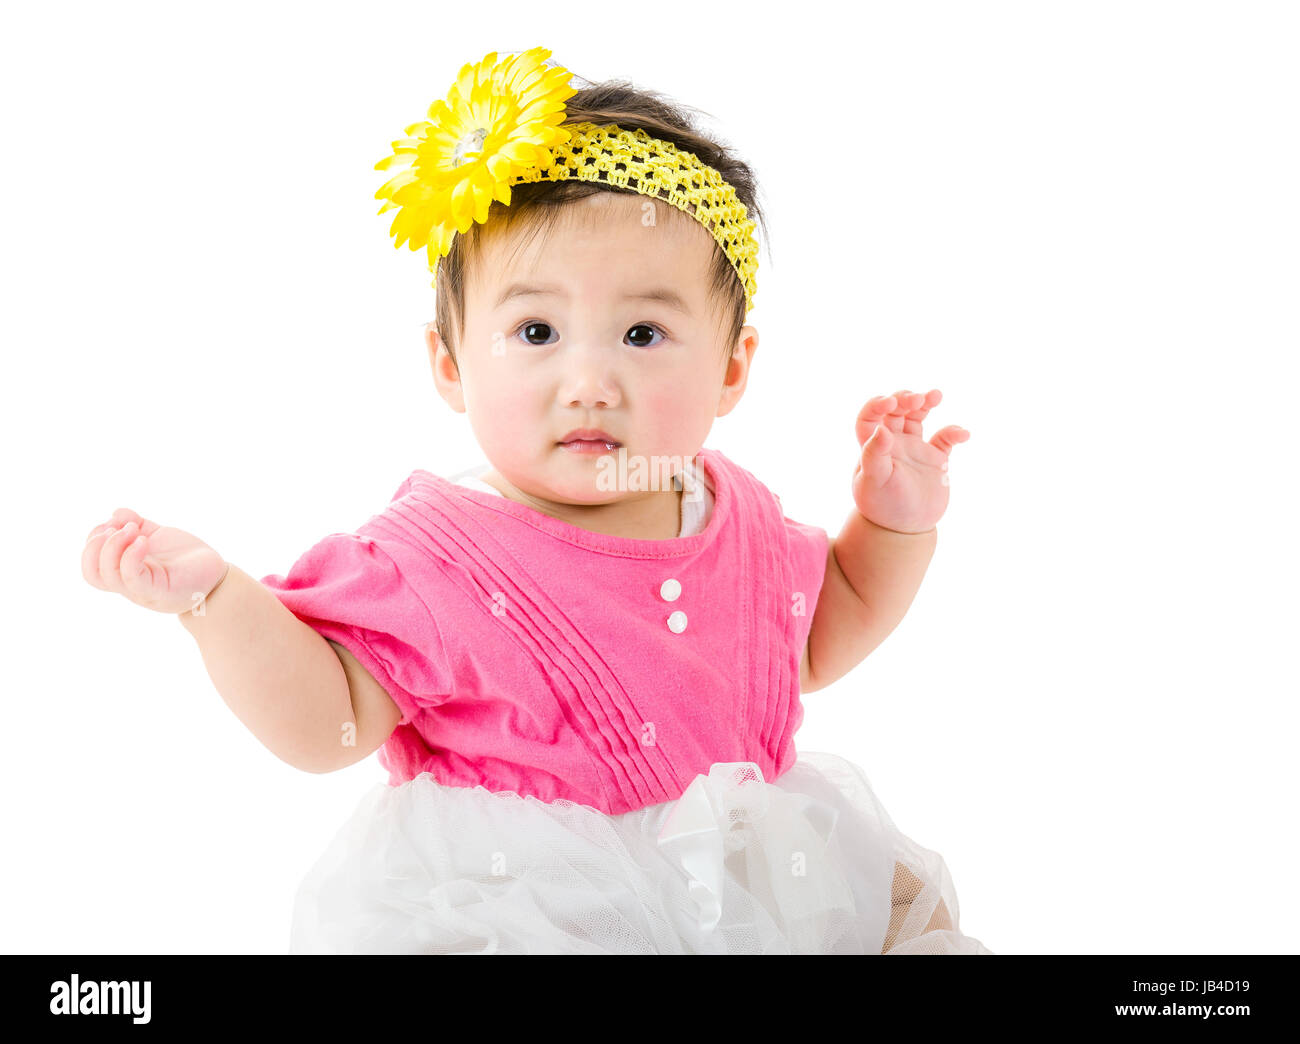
{"points": [[469, 147]]}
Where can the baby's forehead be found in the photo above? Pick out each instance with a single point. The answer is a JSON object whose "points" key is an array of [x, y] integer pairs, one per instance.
{"points": [[615, 218], [611, 243]]}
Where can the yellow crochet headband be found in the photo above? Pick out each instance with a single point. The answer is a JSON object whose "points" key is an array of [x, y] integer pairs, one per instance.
{"points": [[500, 126]]}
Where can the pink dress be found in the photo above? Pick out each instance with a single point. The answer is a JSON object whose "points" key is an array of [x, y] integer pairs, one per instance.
{"points": [[596, 750]]}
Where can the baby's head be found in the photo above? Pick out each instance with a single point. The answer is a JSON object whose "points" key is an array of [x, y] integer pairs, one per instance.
{"points": [[583, 305]]}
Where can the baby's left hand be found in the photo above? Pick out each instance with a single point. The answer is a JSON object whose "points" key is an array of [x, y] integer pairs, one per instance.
{"points": [[901, 482]]}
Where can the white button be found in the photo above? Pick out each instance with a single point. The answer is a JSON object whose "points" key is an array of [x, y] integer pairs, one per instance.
{"points": [[677, 622], [669, 590]]}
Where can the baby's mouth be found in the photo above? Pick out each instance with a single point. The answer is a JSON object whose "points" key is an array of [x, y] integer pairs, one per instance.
{"points": [[606, 444]]}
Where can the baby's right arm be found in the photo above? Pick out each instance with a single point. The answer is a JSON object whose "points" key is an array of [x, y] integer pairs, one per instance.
{"points": [[281, 677]]}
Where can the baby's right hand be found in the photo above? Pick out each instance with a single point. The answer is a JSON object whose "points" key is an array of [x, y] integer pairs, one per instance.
{"points": [[154, 566]]}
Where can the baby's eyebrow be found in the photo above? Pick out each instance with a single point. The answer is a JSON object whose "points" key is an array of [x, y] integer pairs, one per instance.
{"points": [[662, 294]]}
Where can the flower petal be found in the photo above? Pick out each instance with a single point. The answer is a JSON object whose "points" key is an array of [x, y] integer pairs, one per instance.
{"points": [[510, 111]]}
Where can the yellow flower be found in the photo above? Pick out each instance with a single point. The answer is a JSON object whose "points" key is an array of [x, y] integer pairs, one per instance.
{"points": [[499, 119]]}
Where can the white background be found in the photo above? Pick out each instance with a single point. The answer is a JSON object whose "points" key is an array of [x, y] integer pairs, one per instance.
{"points": [[1079, 221]]}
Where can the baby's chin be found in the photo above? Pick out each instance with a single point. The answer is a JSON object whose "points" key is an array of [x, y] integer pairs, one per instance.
{"points": [[572, 491], [575, 495], [588, 479]]}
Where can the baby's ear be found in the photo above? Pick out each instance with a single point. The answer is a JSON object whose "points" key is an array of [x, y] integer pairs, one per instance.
{"points": [[446, 373]]}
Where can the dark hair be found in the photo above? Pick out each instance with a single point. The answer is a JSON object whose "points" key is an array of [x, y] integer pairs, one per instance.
{"points": [[540, 203]]}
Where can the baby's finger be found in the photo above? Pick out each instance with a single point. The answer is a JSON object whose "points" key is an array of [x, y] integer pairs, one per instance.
{"points": [[124, 515], [909, 402], [90, 561], [116, 520], [134, 572], [923, 402], [876, 461], [110, 557], [878, 406], [876, 410], [881, 438], [121, 516], [906, 403], [916, 409], [948, 437]]}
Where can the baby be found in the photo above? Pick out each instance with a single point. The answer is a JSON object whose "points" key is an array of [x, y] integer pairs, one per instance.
{"points": [[591, 331]]}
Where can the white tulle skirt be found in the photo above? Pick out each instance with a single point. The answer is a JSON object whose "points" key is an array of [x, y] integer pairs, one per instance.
{"points": [[810, 863]]}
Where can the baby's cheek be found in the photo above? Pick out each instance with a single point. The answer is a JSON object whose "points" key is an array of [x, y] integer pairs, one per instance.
{"points": [[503, 421], [677, 415], [668, 404], [507, 402]]}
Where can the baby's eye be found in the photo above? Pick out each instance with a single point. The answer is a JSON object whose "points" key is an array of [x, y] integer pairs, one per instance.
{"points": [[529, 331], [645, 326]]}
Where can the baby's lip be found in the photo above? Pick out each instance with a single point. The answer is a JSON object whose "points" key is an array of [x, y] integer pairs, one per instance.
{"points": [[589, 435]]}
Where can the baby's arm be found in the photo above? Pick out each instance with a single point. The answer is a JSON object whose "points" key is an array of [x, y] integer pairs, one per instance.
{"points": [[872, 576], [312, 708], [285, 681], [875, 567], [377, 714]]}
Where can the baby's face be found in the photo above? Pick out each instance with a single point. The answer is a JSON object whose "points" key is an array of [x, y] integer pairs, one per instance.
{"points": [[557, 338]]}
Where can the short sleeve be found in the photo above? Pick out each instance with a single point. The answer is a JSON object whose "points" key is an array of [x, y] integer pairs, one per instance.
{"points": [[350, 590], [404, 488], [808, 546]]}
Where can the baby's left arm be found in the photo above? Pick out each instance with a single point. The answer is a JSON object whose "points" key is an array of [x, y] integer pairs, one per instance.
{"points": [[875, 566]]}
